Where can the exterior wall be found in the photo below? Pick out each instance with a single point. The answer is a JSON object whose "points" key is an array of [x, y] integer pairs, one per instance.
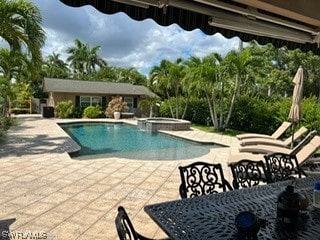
{"points": [[58, 97]]}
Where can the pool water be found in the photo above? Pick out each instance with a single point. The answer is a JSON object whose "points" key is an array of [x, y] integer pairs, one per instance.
{"points": [[103, 140]]}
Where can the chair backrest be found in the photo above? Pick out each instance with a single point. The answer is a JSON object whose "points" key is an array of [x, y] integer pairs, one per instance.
{"points": [[124, 226], [201, 178], [248, 173], [308, 150], [282, 167], [281, 130], [303, 142], [298, 134]]}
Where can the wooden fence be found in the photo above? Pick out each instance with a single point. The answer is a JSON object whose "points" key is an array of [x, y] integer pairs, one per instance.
{"points": [[20, 105]]}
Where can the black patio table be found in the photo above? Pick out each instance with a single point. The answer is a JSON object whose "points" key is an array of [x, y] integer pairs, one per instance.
{"points": [[213, 216]]}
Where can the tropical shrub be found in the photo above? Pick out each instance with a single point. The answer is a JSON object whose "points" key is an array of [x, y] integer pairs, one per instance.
{"points": [[164, 109], [5, 124], [78, 112], [310, 108], [254, 115], [92, 112], [64, 109], [197, 111]]}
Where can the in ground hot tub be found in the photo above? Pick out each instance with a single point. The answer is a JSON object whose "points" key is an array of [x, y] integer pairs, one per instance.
{"points": [[170, 124]]}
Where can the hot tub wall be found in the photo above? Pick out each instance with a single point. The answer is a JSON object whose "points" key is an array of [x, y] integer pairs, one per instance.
{"points": [[156, 124], [153, 127]]}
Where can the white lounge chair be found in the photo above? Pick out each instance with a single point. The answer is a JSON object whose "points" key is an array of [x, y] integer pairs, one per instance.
{"points": [[277, 134], [275, 142]]}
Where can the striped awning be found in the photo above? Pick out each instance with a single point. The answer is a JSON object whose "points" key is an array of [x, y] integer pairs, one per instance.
{"points": [[189, 19]]}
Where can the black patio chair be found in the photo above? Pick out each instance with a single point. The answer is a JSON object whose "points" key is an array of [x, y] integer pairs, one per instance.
{"points": [[281, 167], [248, 173], [125, 228], [201, 178]]}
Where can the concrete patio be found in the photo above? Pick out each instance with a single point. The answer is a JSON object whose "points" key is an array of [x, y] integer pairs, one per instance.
{"points": [[43, 191]]}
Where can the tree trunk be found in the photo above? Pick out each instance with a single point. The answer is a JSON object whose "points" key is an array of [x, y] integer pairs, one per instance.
{"points": [[221, 123], [170, 106], [185, 109], [212, 111], [151, 111], [177, 106], [233, 100], [5, 107]]}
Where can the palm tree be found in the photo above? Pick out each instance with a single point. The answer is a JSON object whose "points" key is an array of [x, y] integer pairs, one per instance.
{"points": [[84, 60], [9, 69], [176, 75], [204, 72], [168, 77], [55, 67], [149, 101], [237, 64], [77, 57], [129, 75], [93, 60], [20, 27], [159, 81]]}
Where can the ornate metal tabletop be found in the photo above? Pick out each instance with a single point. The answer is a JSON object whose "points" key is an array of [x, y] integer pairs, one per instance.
{"points": [[213, 216]]}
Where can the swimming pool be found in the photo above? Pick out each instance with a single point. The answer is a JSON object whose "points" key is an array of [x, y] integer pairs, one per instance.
{"points": [[103, 140]]}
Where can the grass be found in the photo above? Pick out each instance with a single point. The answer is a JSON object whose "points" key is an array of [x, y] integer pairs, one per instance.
{"points": [[210, 129]]}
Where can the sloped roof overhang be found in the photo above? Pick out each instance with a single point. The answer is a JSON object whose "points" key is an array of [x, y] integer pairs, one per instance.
{"points": [[265, 21], [56, 85]]}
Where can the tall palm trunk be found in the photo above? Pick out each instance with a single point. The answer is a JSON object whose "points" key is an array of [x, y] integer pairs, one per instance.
{"points": [[213, 113], [233, 100], [185, 108], [221, 124], [177, 104], [170, 106], [151, 111], [5, 107]]}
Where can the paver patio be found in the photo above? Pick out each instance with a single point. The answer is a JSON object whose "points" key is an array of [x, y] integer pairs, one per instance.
{"points": [[44, 191]]}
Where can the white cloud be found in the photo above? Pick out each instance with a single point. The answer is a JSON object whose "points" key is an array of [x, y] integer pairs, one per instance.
{"points": [[124, 42]]}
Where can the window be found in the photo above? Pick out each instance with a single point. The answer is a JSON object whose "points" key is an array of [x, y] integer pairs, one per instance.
{"points": [[129, 101], [90, 101]]}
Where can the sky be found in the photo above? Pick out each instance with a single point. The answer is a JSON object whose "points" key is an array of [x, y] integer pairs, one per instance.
{"points": [[124, 42]]}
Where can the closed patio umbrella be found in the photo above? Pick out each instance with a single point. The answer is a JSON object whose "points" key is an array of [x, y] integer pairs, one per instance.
{"points": [[51, 100], [295, 111]]}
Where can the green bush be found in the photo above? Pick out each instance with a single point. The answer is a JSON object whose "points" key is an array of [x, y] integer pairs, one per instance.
{"points": [[64, 109], [197, 111], [5, 124], [310, 109], [255, 115], [164, 109], [251, 114], [92, 112], [78, 112]]}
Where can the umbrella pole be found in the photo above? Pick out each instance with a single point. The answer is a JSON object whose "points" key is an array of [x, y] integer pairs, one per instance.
{"points": [[293, 128]]}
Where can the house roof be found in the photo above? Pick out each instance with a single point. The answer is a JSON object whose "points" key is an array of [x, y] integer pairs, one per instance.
{"points": [[94, 87]]}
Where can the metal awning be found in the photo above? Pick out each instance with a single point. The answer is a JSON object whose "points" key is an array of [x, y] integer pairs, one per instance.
{"points": [[294, 24]]}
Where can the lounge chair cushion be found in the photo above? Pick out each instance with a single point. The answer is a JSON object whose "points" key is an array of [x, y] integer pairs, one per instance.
{"points": [[287, 142]]}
